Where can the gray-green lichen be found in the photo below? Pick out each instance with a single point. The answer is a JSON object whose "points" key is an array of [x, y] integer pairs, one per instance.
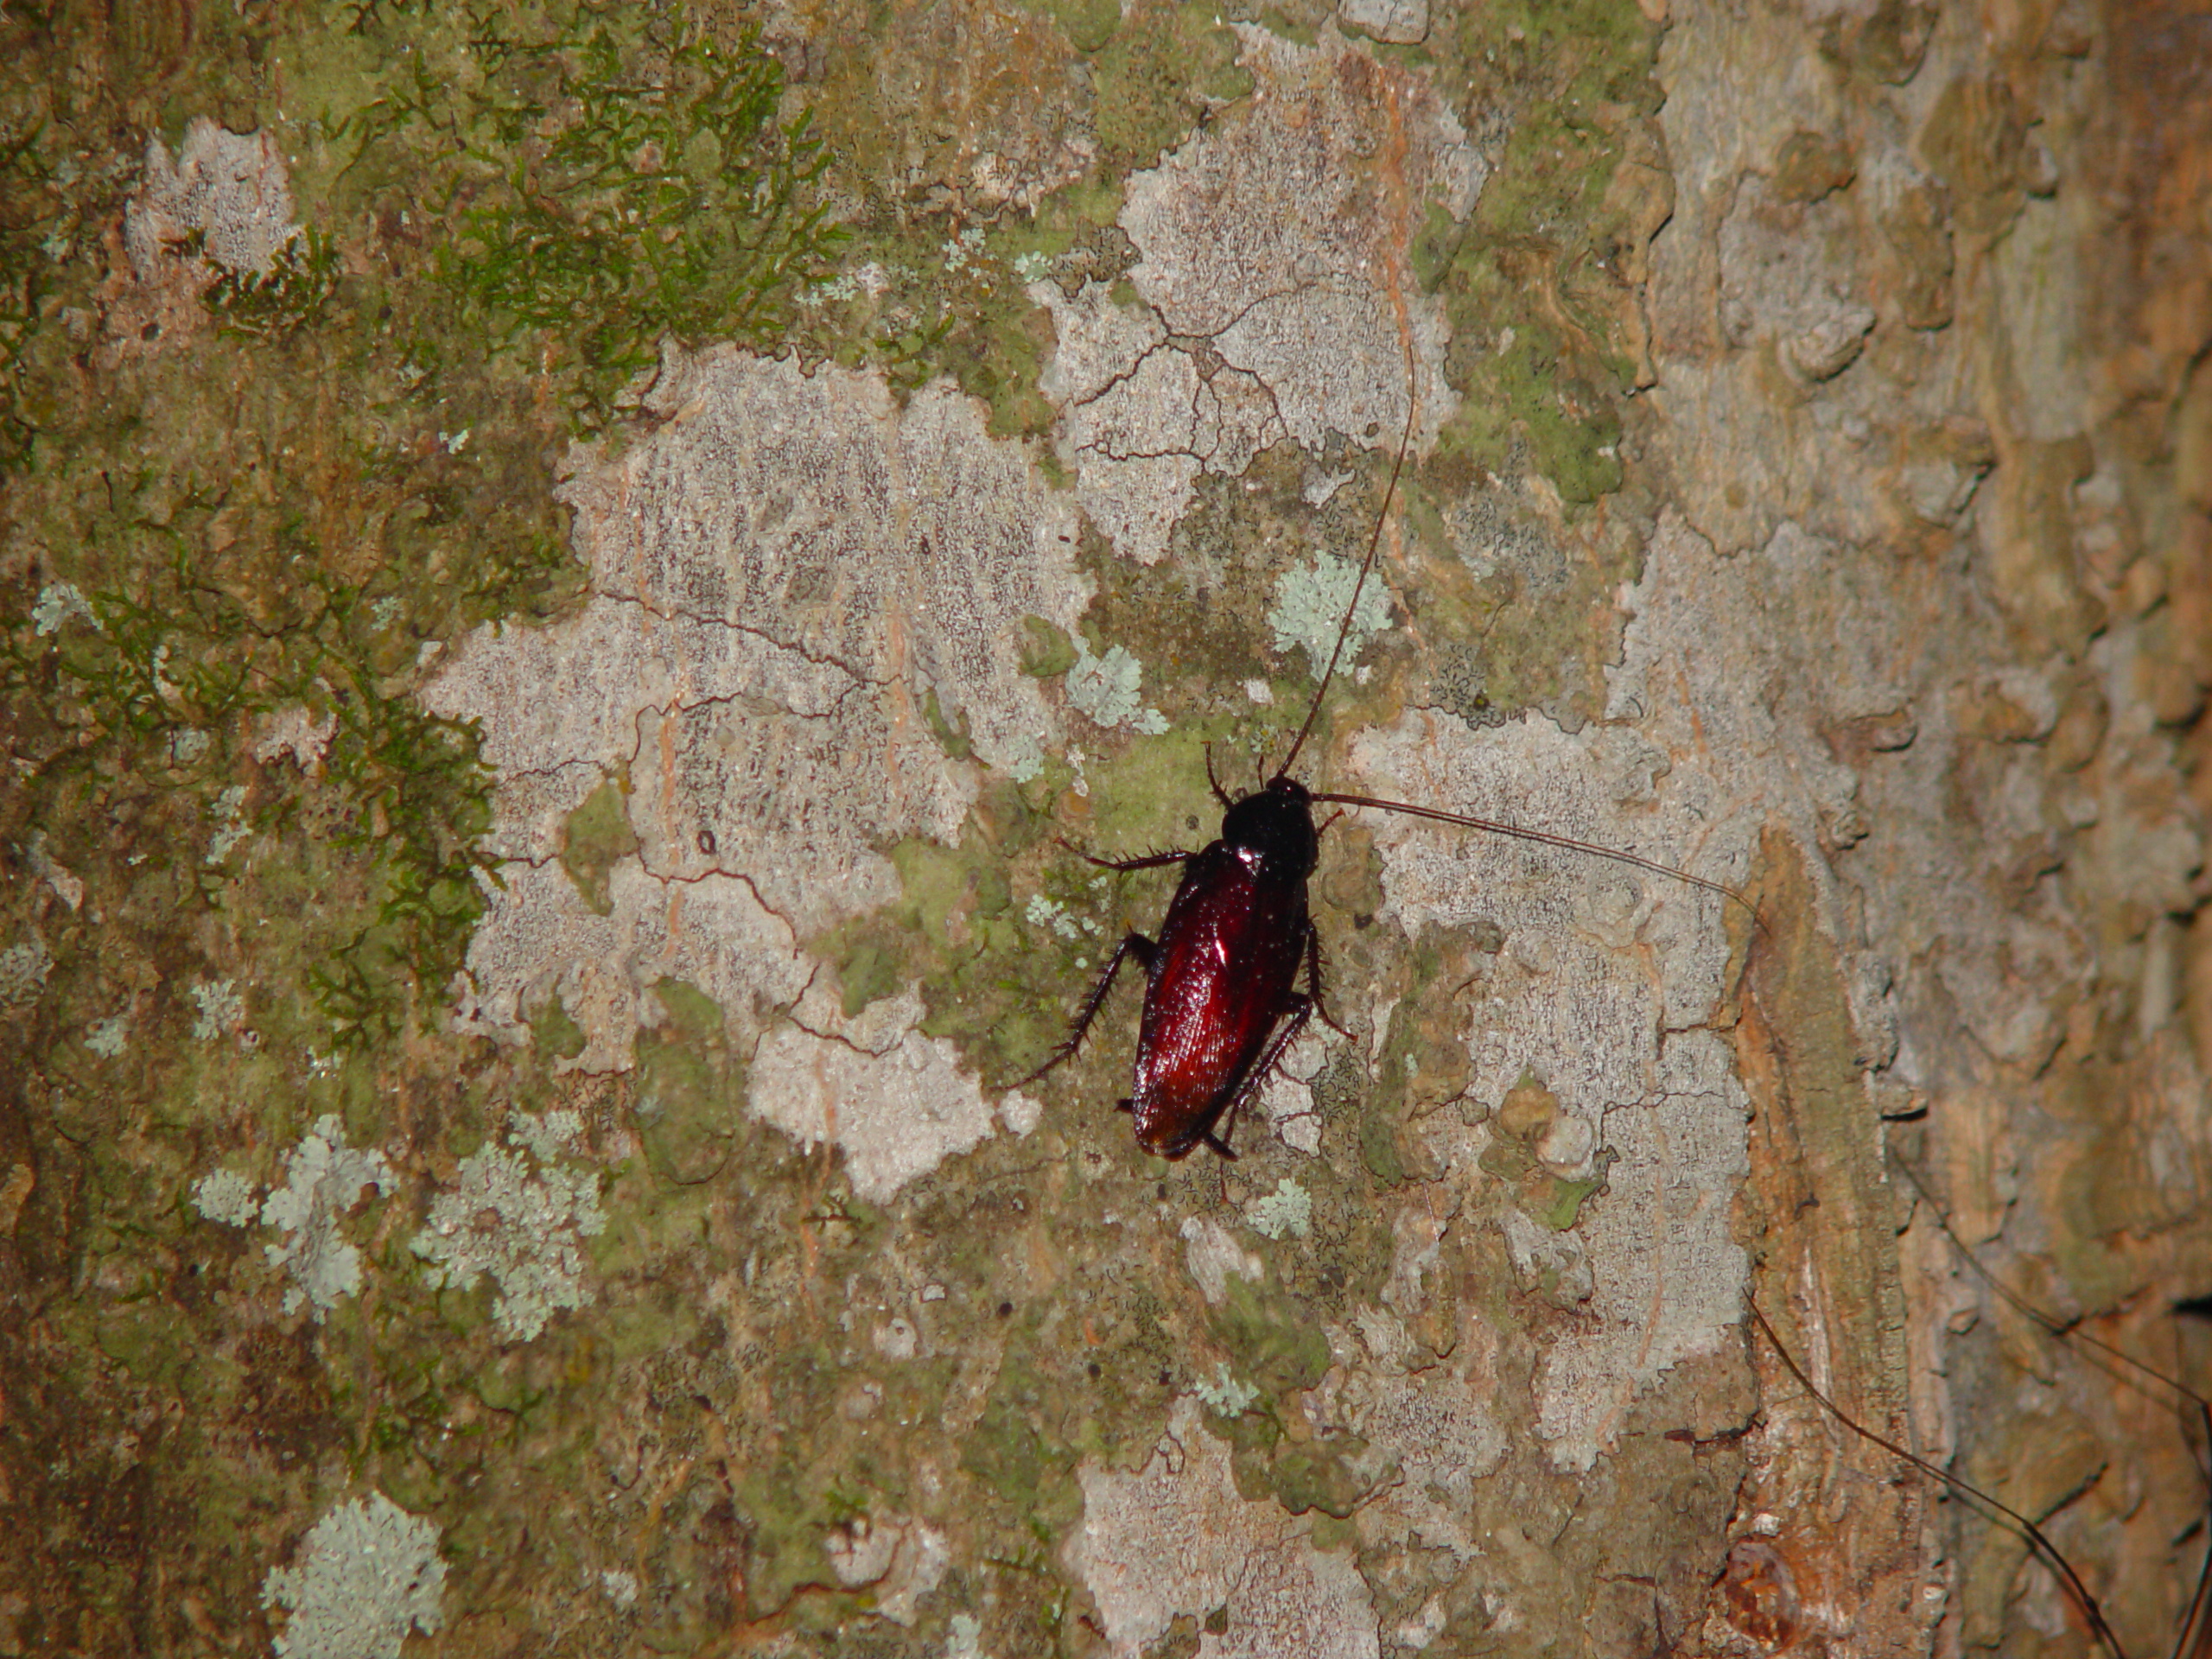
{"points": [[58, 602], [221, 1009], [1110, 691], [1313, 609], [366, 1575], [23, 969], [522, 1220], [1287, 1212], [324, 1179], [225, 1195]]}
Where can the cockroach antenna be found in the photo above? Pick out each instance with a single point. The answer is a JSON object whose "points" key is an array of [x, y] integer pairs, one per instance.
{"points": [[1466, 821]]}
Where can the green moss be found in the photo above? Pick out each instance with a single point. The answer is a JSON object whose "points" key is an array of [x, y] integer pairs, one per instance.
{"points": [[1378, 1149], [1163, 69], [32, 213], [292, 506], [1534, 398], [554, 1033], [952, 740], [1274, 1337], [1046, 650], [1014, 1452], [594, 838], [1313, 1475], [299, 284], [1567, 1198], [1089, 24], [613, 186], [149, 1339], [676, 1107], [1536, 285], [184, 651]]}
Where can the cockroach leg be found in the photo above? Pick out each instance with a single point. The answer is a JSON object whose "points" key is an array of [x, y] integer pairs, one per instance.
{"points": [[1214, 782], [1149, 861], [1300, 1009], [1133, 944], [1313, 979]]}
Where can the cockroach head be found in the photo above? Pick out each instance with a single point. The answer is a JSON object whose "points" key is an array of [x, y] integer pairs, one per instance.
{"points": [[1274, 825]]}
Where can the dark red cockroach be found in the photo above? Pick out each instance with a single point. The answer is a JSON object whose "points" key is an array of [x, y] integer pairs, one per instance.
{"points": [[1221, 1002]]}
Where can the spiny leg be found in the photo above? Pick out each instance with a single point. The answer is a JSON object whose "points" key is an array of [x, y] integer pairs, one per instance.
{"points": [[1133, 944], [1214, 782], [1149, 861], [1313, 979]]}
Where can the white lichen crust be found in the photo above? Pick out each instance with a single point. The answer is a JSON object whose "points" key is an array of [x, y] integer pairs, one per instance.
{"points": [[366, 1574], [1176, 1536], [795, 578], [1601, 980], [1273, 237], [519, 1215]]}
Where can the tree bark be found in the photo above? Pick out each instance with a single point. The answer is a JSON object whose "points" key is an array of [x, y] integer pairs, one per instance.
{"points": [[1806, 492]]}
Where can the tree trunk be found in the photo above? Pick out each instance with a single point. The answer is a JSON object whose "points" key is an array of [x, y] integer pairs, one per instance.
{"points": [[616, 1184]]}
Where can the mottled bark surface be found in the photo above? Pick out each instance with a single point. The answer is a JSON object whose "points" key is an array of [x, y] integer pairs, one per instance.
{"points": [[575, 585]]}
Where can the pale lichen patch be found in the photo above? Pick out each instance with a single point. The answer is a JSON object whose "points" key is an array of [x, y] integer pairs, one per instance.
{"points": [[1175, 1538], [807, 600], [1259, 235], [1213, 1257], [1274, 305], [324, 1178], [1599, 977], [297, 732], [108, 1037], [225, 1195], [23, 969], [1225, 1394], [896, 1103], [67, 886], [1310, 611], [1110, 690], [223, 203], [1591, 959], [220, 1008], [368, 1573], [1440, 1428], [1667, 1277], [57, 602], [521, 1219], [1287, 1212], [901, 1558]]}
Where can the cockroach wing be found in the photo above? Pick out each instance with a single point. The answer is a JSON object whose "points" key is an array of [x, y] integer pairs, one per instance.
{"points": [[1220, 982]]}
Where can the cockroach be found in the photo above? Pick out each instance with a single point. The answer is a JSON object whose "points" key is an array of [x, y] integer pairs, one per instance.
{"points": [[1221, 1001]]}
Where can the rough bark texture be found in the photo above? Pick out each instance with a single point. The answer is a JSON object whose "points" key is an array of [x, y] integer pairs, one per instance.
{"points": [[564, 631]]}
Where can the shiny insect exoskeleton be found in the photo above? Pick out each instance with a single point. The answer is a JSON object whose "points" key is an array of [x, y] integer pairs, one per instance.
{"points": [[1220, 1000]]}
